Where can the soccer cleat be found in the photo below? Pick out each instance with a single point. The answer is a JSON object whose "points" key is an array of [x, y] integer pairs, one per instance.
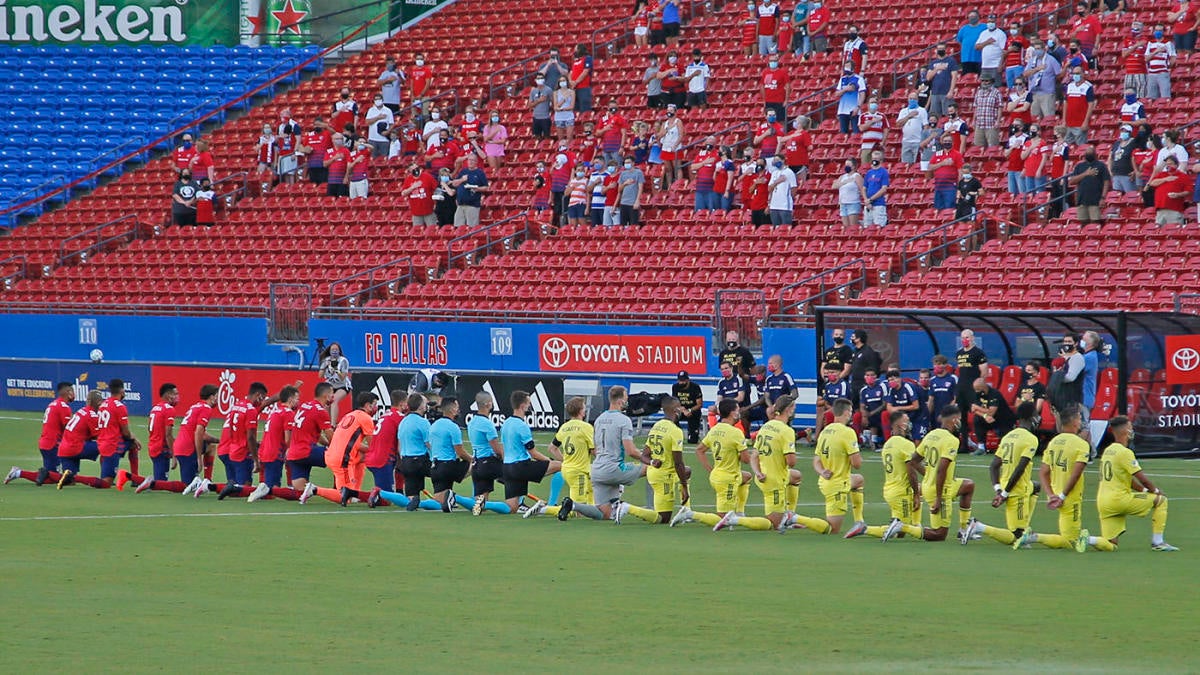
{"points": [[855, 530], [146, 484], [684, 515], [122, 479], [229, 490], [894, 528], [191, 487], [346, 495], [565, 509], [205, 486], [1081, 542], [521, 509], [477, 509], [1164, 547], [259, 492], [451, 501], [726, 522], [1021, 541], [413, 504], [43, 475], [789, 519], [310, 489], [373, 499], [13, 474], [972, 532], [535, 510], [619, 509], [66, 478]]}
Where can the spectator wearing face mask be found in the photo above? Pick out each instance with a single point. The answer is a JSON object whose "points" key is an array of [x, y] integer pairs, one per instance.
{"points": [[750, 30], [1014, 54], [851, 88], [652, 78], [1086, 28], [444, 206], [183, 200], [630, 184], [539, 103], [389, 85], [581, 77], [266, 150], [577, 197], [931, 136], [991, 43], [776, 88], [796, 147], [945, 164], [205, 198], [1171, 189], [1015, 163], [1016, 108], [756, 196], [912, 120], [988, 113], [875, 185], [1091, 180], [956, 128], [1120, 162], [781, 188], [541, 188], [942, 76], [1160, 58], [696, 75], [766, 137], [875, 127], [560, 174], [704, 169], [420, 81], [673, 83], [639, 146], [785, 35], [564, 110], [184, 153], [1133, 59], [614, 133], [203, 165], [1041, 72], [419, 186], [641, 23], [854, 50], [818, 26], [768, 13], [431, 133], [337, 163], [595, 191], [360, 163], [852, 194], [724, 180], [495, 141], [312, 148], [671, 135], [1060, 153], [379, 119], [968, 190], [1035, 156], [343, 111], [612, 212]]}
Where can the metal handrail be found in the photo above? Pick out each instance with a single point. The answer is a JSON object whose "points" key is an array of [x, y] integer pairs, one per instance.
{"points": [[507, 316], [373, 284], [518, 80], [718, 134], [64, 256], [860, 263], [33, 191], [923, 256], [1029, 208], [452, 258], [21, 273], [812, 115], [623, 37], [23, 307]]}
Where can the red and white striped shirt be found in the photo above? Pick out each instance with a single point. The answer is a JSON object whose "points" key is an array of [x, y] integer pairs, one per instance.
{"points": [[1158, 56]]}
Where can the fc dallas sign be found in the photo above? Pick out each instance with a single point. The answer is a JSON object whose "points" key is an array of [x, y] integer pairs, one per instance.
{"points": [[648, 354], [1183, 359]]}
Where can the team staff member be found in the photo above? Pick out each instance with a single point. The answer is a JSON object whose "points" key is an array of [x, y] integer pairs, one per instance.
{"points": [[900, 490], [412, 434], [1061, 476], [522, 462], [972, 365], [777, 383], [79, 441], [691, 403], [451, 463], [736, 354], [487, 451], [865, 358], [989, 412], [1116, 499], [936, 459], [732, 387], [1011, 472], [840, 354], [310, 432]]}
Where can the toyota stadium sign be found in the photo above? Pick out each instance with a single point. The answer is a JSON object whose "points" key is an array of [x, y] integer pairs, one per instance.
{"points": [[1183, 359], [644, 354]]}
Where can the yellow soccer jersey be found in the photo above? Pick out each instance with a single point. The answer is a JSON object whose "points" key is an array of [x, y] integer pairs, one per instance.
{"points": [[1117, 467], [1016, 444], [574, 439], [725, 441], [896, 452], [1063, 453], [775, 441], [665, 439], [937, 445], [835, 445]]}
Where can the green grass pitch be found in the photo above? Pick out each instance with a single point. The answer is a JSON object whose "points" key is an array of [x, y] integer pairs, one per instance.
{"points": [[111, 581]]}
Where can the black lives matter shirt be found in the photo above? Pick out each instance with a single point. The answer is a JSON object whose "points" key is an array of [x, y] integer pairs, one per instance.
{"points": [[839, 356], [739, 357], [688, 394], [969, 362]]}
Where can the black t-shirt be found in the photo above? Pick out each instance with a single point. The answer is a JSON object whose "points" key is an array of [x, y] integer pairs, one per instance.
{"points": [[969, 362], [839, 356], [688, 394], [1122, 157], [990, 398], [968, 192], [185, 190], [739, 357], [864, 359], [1031, 391], [1090, 189]]}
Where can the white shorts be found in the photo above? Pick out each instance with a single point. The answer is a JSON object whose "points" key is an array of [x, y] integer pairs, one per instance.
{"points": [[358, 189]]}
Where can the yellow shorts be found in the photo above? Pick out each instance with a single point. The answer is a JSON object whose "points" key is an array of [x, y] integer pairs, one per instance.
{"points": [[1115, 508], [726, 488], [901, 504], [579, 485], [1018, 511], [774, 496], [941, 519], [836, 493], [1070, 518], [666, 489]]}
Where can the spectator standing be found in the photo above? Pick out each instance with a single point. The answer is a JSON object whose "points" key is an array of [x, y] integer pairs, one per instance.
{"points": [[564, 111], [724, 180], [642, 140], [818, 26], [768, 13], [1080, 102], [671, 135], [696, 75], [704, 169], [311, 149], [630, 185], [851, 87], [786, 34], [755, 195], [1041, 72], [654, 88], [266, 150], [990, 44], [776, 88], [420, 81], [967, 190], [541, 188], [470, 185], [495, 141], [929, 144], [553, 69], [1015, 163], [1091, 180], [673, 83], [445, 205], [766, 138], [854, 51], [379, 119], [595, 190], [1171, 148], [988, 105], [1085, 27], [750, 30], [578, 197], [1133, 59], [1120, 162], [1160, 58], [343, 111], [612, 212], [288, 132], [203, 165], [1184, 19], [1035, 156], [418, 188], [183, 199], [614, 133], [942, 77], [801, 45], [945, 164], [912, 120], [431, 133], [1017, 107], [669, 9], [852, 194], [641, 24], [205, 199], [967, 37], [1060, 153], [956, 127], [781, 187], [796, 146], [1171, 189], [581, 77], [560, 175], [389, 85], [1014, 54], [539, 103], [875, 185], [184, 153], [874, 126], [337, 163]]}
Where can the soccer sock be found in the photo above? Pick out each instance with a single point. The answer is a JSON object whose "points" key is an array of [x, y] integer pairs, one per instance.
{"points": [[644, 513], [589, 511], [856, 505], [757, 523], [89, 480], [998, 533], [964, 517], [551, 510], [709, 519], [1101, 544], [133, 460], [876, 531], [168, 486], [431, 505], [913, 531], [815, 524], [1158, 522], [743, 495], [31, 476], [395, 498], [208, 467], [497, 507], [331, 494], [464, 501], [556, 486], [281, 492], [1055, 541], [791, 495]]}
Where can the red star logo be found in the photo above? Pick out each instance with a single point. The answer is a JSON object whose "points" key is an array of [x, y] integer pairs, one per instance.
{"points": [[256, 24], [288, 18]]}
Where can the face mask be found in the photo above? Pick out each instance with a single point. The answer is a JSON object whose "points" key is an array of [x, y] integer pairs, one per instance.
{"points": [[870, 380], [187, 145], [444, 179], [1125, 135], [539, 82], [912, 104], [778, 164], [345, 96], [420, 62], [1130, 98], [991, 26], [874, 162], [612, 169], [966, 342], [495, 120], [771, 117], [579, 174], [378, 103], [731, 344], [847, 169], [853, 35], [1158, 35], [1076, 77], [670, 113], [838, 340], [1038, 53], [628, 165], [672, 59], [185, 177], [816, 5], [941, 52], [470, 117], [1012, 31], [415, 172], [434, 115], [873, 107], [923, 381], [966, 176], [708, 146], [773, 65], [1074, 50]]}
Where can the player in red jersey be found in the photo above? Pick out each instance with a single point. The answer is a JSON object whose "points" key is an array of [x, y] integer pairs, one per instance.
{"points": [[384, 448], [311, 429], [78, 442], [238, 446], [113, 437], [57, 414], [194, 440], [161, 427], [275, 441]]}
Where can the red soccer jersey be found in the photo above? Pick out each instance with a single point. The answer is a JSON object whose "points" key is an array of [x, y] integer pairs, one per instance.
{"points": [[759, 194], [1034, 160], [771, 143], [1015, 163], [721, 178], [57, 414], [750, 30], [183, 157], [112, 415], [266, 150], [947, 175], [581, 64], [359, 170], [420, 200], [202, 165], [311, 419], [786, 31], [383, 446], [339, 159], [746, 187], [610, 190], [1185, 22], [774, 83], [1078, 97], [80, 429], [705, 174], [611, 139], [1179, 183], [1086, 30], [766, 20], [1135, 61], [1058, 160], [1143, 162], [319, 141], [419, 80], [817, 19], [240, 423], [162, 418], [197, 417], [204, 208], [272, 447], [795, 149], [1014, 50]]}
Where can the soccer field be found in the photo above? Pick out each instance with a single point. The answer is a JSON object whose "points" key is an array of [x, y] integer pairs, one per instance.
{"points": [[112, 581]]}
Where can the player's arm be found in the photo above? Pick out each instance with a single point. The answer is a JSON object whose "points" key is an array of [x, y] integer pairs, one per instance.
{"points": [[646, 455], [632, 451], [169, 436], [819, 467], [128, 436], [531, 446], [1072, 479], [916, 471], [940, 483], [497, 447], [1044, 479], [327, 434], [1022, 466], [994, 474], [462, 453], [702, 455], [681, 472], [553, 449], [755, 465], [200, 438], [252, 441]]}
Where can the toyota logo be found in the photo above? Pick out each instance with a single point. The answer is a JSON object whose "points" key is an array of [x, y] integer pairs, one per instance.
{"points": [[1186, 359], [554, 352]]}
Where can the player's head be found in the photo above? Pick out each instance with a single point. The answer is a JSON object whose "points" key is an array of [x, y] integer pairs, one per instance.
{"points": [[323, 392], [980, 384], [726, 370], [1069, 419], [895, 379], [95, 398], [1121, 427], [923, 377], [399, 399], [519, 400], [208, 393], [832, 372], [870, 376], [727, 409], [483, 403], [941, 365], [967, 336], [775, 364], [843, 410], [416, 404], [951, 418], [169, 393], [575, 407], [1027, 415], [785, 408], [367, 402], [258, 393], [116, 388], [900, 424], [449, 407], [65, 391], [617, 396], [289, 396], [670, 407]]}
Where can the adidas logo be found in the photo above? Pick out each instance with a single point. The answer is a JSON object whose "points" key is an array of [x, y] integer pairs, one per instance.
{"points": [[385, 398], [541, 411]]}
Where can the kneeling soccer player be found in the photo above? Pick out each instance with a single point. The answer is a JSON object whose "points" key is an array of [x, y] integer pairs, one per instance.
{"points": [[573, 445], [78, 442], [773, 460], [275, 440], [54, 419], [310, 431], [730, 483], [668, 474], [1116, 498], [347, 447], [1061, 476], [900, 488], [935, 459], [836, 453], [523, 464], [610, 475], [1011, 472]]}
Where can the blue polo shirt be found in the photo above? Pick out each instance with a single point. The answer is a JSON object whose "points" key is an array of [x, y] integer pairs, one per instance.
{"points": [[465, 197], [515, 434], [942, 388], [1091, 369], [413, 436], [779, 385], [444, 434], [670, 12], [875, 180], [481, 431], [967, 36]]}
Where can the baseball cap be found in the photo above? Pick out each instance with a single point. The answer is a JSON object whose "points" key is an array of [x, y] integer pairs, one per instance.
{"points": [[1126, 127], [683, 375]]}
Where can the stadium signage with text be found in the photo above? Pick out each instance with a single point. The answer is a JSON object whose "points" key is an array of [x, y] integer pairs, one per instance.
{"points": [[649, 354], [406, 349], [1183, 359], [30, 386], [127, 22], [232, 383], [545, 398]]}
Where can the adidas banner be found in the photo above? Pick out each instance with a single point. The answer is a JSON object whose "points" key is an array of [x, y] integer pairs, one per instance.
{"points": [[545, 394], [382, 384]]}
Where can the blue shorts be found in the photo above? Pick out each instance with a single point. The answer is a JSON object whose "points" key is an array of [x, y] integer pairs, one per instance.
{"points": [[90, 451], [189, 468], [273, 473], [385, 477], [230, 467], [944, 198], [577, 211], [850, 209], [162, 466], [50, 459], [243, 471], [109, 465], [302, 468]]}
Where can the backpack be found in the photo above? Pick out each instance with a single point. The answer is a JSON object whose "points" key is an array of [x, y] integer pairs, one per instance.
{"points": [[643, 404]]}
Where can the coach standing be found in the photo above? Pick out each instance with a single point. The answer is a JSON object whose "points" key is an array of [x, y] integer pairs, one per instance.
{"points": [[972, 365], [865, 358], [736, 355], [691, 402]]}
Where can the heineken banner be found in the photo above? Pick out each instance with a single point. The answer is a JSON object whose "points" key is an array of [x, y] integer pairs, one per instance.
{"points": [[250, 28], [283, 22], [132, 22]]}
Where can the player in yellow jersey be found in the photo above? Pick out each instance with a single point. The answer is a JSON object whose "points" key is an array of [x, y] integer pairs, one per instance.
{"points": [[574, 447], [1061, 475], [835, 455], [1011, 472], [1125, 490], [934, 460], [668, 474], [729, 482], [900, 488], [773, 461]]}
